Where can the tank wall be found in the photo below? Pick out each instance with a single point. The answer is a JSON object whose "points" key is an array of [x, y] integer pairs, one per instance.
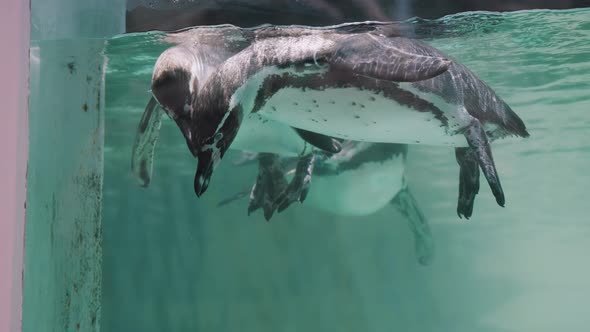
{"points": [[63, 253]]}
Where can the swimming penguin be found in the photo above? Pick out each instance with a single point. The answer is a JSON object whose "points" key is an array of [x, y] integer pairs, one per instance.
{"points": [[178, 71], [355, 84], [360, 180], [174, 93]]}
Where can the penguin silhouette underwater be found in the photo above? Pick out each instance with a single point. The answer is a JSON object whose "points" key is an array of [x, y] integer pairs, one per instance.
{"points": [[359, 180]]}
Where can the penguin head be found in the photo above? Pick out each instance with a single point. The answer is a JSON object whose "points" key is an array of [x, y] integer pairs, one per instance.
{"points": [[174, 82], [174, 86], [207, 128]]}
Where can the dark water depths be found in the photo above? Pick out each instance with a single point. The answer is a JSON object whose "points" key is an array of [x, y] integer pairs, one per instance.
{"points": [[173, 262]]}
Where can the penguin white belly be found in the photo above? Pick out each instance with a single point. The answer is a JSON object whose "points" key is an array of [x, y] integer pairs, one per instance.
{"points": [[259, 134], [360, 115], [358, 192]]}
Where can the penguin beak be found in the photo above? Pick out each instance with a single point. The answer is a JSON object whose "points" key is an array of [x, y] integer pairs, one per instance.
{"points": [[204, 172]]}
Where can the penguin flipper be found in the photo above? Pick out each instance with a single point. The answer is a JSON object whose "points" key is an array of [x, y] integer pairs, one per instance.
{"points": [[148, 131], [365, 54], [382, 58], [468, 180], [478, 141], [326, 143], [406, 204], [270, 182]]}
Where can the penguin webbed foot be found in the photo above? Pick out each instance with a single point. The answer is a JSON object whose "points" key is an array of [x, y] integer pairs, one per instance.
{"points": [[406, 204], [298, 188], [468, 180], [270, 182], [478, 151]]}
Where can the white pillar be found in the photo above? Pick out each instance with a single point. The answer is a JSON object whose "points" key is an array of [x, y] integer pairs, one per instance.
{"points": [[14, 66]]}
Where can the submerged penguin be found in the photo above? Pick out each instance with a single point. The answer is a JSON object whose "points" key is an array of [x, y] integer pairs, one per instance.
{"points": [[357, 84], [360, 180]]}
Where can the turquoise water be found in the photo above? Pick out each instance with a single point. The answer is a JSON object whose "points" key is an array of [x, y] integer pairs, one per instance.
{"points": [[173, 262]]}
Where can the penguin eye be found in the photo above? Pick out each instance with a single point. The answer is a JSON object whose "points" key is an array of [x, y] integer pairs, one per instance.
{"points": [[218, 136]]}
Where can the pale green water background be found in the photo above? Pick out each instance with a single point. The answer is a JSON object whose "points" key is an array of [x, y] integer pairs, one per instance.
{"points": [[173, 262]]}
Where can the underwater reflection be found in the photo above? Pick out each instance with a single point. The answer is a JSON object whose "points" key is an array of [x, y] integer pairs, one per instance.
{"points": [[359, 180]]}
